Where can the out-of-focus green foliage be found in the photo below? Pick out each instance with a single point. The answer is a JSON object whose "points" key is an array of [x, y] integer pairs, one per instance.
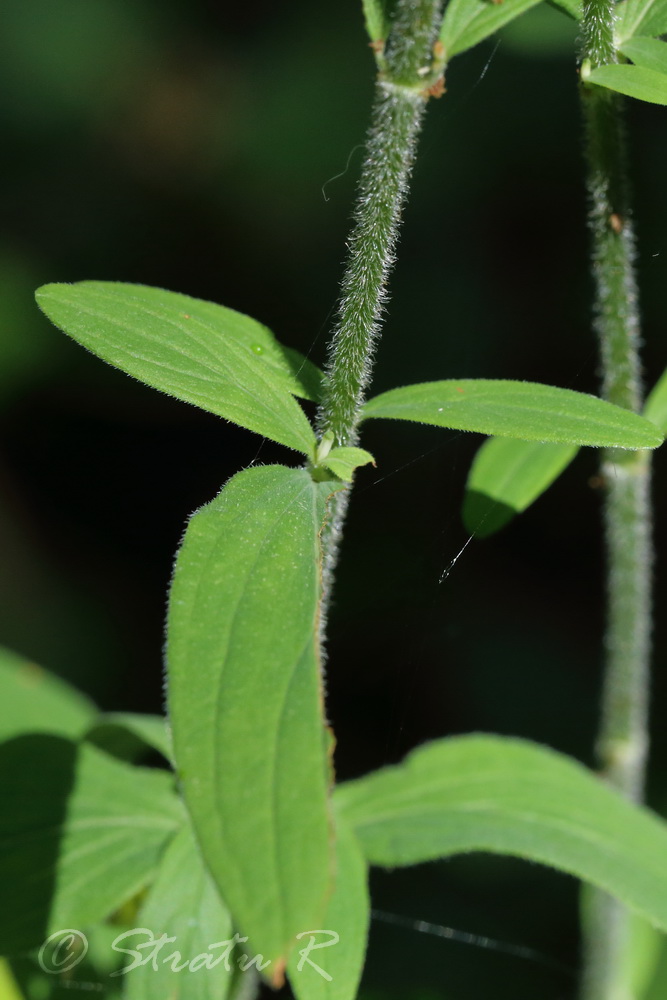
{"points": [[34, 701], [506, 477], [71, 855]]}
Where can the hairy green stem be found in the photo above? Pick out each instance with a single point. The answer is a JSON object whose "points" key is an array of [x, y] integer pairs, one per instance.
{"points": [[397, 118], [409, 74], [400, 100], [622, 740]]}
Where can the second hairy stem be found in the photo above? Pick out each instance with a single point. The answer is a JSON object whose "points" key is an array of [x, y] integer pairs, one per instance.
{"points": [[622, 740]]}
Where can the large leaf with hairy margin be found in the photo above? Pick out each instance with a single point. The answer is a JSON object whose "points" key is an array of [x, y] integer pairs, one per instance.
{"points": [[80, 833], [337, 948], [486, 793], [633, 81], [468, 22], [506, 477], [246, 703], [185, 905], [35, 701], [197, 351], [527, 411], [639, 17]]}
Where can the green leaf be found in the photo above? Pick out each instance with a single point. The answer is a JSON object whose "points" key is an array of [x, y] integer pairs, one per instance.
{"points": [[655, 22], [183, 904], [643, 956], [639, 17], [543, 33], [35, 701], [524, 410], [655, 408], [468, 22], [506, 477], [485, 793], [343, 461], [650, 53], [347, 917], [633, 81], [657, 990], [80, 833], [570, 7], [197, 351], [376, 20], [9, 989], [129, 734], [245, 701]]}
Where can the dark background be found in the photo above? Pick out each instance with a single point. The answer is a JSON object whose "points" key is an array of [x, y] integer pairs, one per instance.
{"points": [[186, 144]]}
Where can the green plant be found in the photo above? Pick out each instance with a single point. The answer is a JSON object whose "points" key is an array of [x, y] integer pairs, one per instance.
{"points": [[249, 847]]}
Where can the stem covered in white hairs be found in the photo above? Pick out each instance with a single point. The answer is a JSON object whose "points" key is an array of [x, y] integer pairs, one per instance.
{"points": [[411, 70], [622, 743], [402, 91]]}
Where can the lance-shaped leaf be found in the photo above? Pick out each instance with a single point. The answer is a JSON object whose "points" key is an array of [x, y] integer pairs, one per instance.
{"points": [[376, 19], [328, 962], [197, 351], [633, 81], [485, 793], [468, 22], [246, 704], [527, 411], [639, 17], [506, 476], [650, 53], [80, 833], [185, 906], [35, 701], [130, 734], [656, 403]]}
